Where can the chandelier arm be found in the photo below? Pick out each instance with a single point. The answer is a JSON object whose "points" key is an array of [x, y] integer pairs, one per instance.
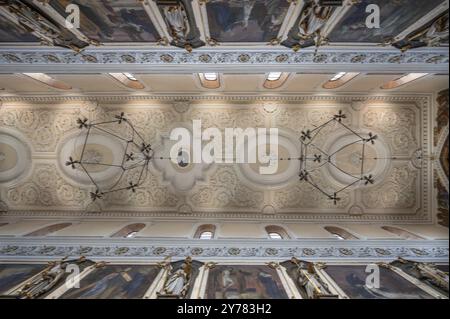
{"points": [[85, 142], [363, 158], [320, 127], [348, 186], [346, 173], [320, 150], [104, 123], [89, 175], [317, 168], [345, 146], [135, 131], [118, 180], [348, 128]]}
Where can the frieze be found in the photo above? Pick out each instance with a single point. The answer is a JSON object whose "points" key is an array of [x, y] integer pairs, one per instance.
{"points": [[325, 250]]}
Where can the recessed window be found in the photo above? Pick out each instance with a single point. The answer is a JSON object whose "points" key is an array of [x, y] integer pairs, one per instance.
{"points": [[206, 235], [274, 76], [401, 233], [403, 80], [275, 236], [276, 232], [275, 80], [129, 231], [205, 232], [340, 233], [339, 80], [130, 76], [209, 80], [128, 80], [48, 80], [338, 76], [48, 230], [131, 234], [210, 76]]}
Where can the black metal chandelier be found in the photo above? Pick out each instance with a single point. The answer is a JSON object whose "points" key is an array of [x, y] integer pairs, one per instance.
{"points": [[312, 157], [135, 159]]}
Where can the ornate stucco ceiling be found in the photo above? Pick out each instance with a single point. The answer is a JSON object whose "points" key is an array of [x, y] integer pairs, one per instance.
{"points": [[42, 130]]}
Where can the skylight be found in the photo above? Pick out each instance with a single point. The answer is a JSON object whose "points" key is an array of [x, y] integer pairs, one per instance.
{"points": [[130, 76]]}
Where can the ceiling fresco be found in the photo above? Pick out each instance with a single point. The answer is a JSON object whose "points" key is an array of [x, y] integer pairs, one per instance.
{"points": [[266, 23], [246, 21], [112, 21]]}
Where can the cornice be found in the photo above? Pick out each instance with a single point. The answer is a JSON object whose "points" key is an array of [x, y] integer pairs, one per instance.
{"points": [[142, 249], [380, 59]]}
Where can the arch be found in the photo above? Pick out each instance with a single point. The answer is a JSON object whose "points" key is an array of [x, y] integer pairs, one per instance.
{"points": [[48, 230], [129, 231], [276, 232], [205, 232], [401, 233], [340, 233]]}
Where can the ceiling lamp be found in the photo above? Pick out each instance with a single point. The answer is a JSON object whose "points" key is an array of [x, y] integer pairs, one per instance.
{"points": [[209, 80], [129, 80], [403, 80], [339, 80], [48, 80]]}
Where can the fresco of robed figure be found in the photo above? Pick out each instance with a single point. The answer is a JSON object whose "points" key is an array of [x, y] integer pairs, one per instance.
{"points": [[244, 282], [12, 275], [246, 20], [111, 20], [352, 280], [115, 282], [395, 17]]}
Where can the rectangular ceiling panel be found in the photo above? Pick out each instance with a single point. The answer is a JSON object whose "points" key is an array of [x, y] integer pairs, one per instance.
{"points": [[112, 20], [246, 21], [395, 17]]}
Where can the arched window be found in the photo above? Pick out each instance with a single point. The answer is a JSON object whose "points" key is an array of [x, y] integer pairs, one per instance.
{"points": [[48, 230], [129, 231], [205, 232], [276, 232], [340, 233], [401, 233]]}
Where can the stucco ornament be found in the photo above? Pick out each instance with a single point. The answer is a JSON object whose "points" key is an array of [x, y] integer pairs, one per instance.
{"points": [[180, 172]]}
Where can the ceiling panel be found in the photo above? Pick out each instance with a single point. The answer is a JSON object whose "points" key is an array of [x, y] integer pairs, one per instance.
{"points": [[242, 82], [169, 83], [395, 16], [246, 21], [365, 83], [427, 84], [307, 82], [90, 82], [21, 83]]}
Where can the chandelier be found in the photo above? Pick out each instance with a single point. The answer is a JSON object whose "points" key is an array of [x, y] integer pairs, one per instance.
{"points": [[137, 155], [135, 159], [312, 157]]}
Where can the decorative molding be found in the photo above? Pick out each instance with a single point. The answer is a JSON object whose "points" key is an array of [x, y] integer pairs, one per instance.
{"points": [[139, 249], [431, 59]]}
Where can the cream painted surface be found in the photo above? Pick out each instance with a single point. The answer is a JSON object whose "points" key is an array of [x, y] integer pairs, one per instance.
{"points": [[306, 82], [309, 231], [427, 231], [368, 231], [18, 83], [24, 227], [241, 82], [230, 83], [169, 83], [91, 82], [103, 228], [241, 230], [168, 229]]}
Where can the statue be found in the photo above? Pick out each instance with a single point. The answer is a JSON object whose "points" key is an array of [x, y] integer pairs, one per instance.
{"points": [[177, 21], [313, 285], [312, 20], [178, 280], [45, 281]]}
